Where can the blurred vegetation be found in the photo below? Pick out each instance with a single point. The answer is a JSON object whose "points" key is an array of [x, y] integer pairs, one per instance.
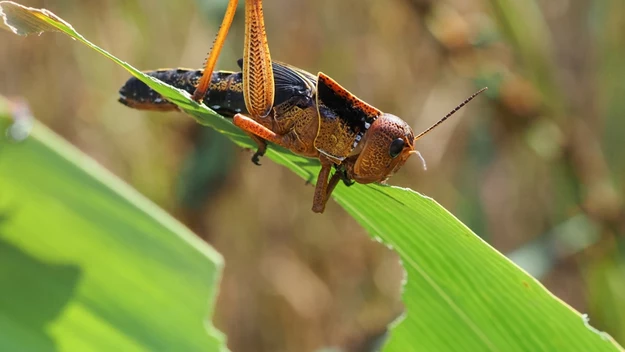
{"points": [[93, 265], [537, 169]]}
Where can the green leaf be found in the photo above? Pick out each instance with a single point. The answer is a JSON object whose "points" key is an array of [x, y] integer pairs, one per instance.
{"points": [[88, 264], [460, 294]]}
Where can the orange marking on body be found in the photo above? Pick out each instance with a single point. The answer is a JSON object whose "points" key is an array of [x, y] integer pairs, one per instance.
{"points": [[347, 95]]}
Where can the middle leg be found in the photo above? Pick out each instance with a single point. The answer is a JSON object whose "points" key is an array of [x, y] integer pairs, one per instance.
{"points": [[324, 189]]}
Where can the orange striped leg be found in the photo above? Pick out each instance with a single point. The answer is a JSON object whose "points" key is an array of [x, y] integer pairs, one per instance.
{"points": [[258, 84], [259, 134], [213, 54], [248, 125]]}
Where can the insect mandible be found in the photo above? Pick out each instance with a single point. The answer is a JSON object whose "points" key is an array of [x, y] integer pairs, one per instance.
{"points": [[313, 116]]}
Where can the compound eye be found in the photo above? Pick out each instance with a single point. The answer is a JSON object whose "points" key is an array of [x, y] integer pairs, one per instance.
{"points": [[396, 147]]}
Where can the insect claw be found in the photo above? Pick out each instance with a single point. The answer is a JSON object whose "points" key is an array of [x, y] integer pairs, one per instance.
{"points": [[256, 157], [346, 180], [342, 174]]}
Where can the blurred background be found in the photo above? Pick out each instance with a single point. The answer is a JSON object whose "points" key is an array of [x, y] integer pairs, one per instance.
{"points": [[536, 166]]}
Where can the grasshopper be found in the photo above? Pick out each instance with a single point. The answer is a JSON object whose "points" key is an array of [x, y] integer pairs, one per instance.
{"points": [[313, 116]]}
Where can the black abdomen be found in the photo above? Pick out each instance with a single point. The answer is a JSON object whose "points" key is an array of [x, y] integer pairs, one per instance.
{"points": [[225, 94]]}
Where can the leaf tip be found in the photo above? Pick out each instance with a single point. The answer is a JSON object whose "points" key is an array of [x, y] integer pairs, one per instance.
{"points": [[24, 21]]}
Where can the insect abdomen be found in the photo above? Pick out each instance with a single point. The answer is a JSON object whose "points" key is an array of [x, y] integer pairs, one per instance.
{"points": [[225, 94]]}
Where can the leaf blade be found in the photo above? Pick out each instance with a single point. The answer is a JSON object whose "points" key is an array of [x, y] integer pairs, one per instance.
{"points": [[94, 246]]}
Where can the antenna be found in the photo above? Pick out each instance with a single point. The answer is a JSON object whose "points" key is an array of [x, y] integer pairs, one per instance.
{"points": [[450, 113]]}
